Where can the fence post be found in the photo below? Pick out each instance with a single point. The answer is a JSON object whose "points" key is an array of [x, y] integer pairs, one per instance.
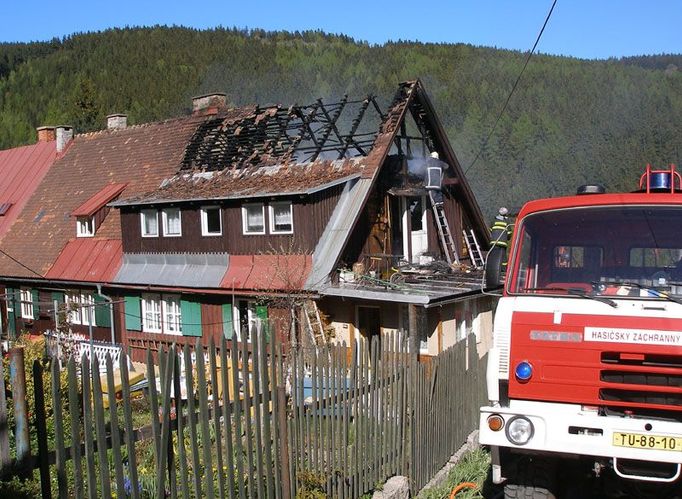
{"points": [[41, 427], [17, 377], [284, 441]]}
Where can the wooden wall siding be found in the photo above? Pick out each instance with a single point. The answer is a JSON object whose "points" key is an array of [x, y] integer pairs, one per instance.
{"points": [[311, 215], [453, 212], [100, 215]]}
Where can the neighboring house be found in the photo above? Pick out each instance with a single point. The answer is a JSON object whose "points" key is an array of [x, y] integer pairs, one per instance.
{"points": [[21, 170], [205, 225]]}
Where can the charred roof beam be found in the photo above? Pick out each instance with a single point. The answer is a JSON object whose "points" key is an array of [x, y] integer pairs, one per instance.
{"points": [[354, 128], [331, 124]]}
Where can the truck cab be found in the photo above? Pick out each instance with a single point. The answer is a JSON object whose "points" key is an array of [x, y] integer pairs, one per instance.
{"points": [[587, 358]]}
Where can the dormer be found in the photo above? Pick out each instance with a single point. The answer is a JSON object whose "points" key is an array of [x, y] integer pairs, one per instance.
{"points": [[90, 215]]}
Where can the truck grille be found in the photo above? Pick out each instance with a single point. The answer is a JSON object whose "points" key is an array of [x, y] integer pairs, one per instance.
{"points": [[637, 371]]}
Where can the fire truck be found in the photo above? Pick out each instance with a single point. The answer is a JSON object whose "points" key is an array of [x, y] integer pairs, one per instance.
{"points": [[586, 367]]}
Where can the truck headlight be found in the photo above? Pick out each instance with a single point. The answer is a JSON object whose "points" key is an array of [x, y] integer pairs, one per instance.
{"points": [[519, 430]]}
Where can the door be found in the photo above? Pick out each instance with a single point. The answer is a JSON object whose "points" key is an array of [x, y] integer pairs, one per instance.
{"points": [[415, 236]]}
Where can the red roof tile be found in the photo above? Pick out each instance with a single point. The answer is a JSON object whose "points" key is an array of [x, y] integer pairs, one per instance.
{"points": [[92, 205], [88, 259], [21, 170], [141, 156], [267, 272]]}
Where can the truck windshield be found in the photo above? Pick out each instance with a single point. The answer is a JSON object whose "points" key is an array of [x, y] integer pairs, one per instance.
{"points": [[633, 251]]}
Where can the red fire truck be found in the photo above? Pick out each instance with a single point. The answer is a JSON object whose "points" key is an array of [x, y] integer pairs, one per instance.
{"points": [[586, 368]]}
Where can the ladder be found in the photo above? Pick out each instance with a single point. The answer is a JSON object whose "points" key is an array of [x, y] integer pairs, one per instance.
{"points": [[444, 230], [313, 321], [474, 249]]}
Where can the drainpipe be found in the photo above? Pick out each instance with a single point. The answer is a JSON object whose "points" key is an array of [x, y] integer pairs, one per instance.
{"points": [[111, 312]]}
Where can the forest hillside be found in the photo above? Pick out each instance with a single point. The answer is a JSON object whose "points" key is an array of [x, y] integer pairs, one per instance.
{"points": [[570, 121]]}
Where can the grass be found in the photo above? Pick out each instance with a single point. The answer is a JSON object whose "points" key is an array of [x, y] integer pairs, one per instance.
{"points": [[472, 468]]}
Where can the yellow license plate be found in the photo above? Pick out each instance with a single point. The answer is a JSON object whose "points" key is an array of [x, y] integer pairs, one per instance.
{"points": [[643, 441]]}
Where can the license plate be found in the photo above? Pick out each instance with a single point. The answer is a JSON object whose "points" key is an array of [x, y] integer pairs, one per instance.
{"points": [[642, 441]]}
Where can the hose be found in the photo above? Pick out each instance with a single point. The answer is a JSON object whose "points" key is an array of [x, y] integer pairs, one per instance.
{"points": [[461, 487]]}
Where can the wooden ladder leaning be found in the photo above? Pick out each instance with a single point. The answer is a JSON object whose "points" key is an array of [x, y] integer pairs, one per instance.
{"points": [[314, 323], [474, 248], [444, 230]]}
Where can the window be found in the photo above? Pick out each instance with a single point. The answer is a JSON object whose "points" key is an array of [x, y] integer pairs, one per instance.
{"points": [[81, 308], [172, 226], [253, 218], [281, 218], [211, 223], [248, 318], [161, 314], [26, 303], [150, 223], [85, 226]]}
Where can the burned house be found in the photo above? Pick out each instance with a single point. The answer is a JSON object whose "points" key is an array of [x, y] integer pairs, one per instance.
{"points": [[323, 218]]}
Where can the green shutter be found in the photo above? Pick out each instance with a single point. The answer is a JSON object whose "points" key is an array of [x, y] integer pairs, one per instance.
{"points": [[228, 325], [35, 298], [59, 296], [11, 312], [133, 313], [191, 317], [262, 314], [102, 314]]}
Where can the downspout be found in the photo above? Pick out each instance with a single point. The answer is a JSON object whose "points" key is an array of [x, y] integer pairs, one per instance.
{"points": [[111, 312]]}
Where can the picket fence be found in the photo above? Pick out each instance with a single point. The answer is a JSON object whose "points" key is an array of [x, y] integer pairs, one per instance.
{"points": [[248, 420]]}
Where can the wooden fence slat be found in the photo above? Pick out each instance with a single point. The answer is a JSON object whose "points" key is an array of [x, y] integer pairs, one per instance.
{"points": [[247, 406], [100, 431], [227, 419], [154, 403], [182, 451], [60, 451], [166, 374], [202, 388], [192, 419], [129, 430], [274, 383], [213, 369], [74, 416], [115, 430], [266, 388], [239, 448], [87, 428], [5, 458], [257, 406]]}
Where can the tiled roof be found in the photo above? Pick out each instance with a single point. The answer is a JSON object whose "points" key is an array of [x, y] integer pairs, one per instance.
{"points": [[21, 170], [141, 156], [92, 205], [88, 259], [251, 182]]}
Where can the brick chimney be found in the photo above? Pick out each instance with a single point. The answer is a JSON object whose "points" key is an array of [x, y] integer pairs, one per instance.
{"points": [[64, 136], [46, 133], [204, 104], [117, 121]]}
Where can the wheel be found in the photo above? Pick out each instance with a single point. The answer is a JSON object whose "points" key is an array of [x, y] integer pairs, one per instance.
{"points": [[534, 479]]}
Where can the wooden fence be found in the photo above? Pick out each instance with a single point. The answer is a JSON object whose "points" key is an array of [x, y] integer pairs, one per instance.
{"points": [[243, 420]]}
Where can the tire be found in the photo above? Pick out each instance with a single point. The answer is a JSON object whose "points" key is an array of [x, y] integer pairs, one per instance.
{"points": [[534, 479]]}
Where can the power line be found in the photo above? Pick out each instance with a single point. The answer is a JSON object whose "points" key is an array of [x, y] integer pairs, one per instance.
{"points": [[506, 102], [19, 263]]}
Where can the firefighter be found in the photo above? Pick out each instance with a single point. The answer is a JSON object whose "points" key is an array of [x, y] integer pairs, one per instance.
{"points": [[500, 233]]}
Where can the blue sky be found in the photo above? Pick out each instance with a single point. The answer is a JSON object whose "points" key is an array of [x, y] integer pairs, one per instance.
{"points": [[579, 28]]}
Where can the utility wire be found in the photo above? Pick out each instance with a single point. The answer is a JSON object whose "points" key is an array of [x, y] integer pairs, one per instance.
{"points": [[516, 83], [19, 263]]}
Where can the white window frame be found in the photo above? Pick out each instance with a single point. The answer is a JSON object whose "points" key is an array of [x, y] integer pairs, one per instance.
{"points": [[164, 216], [271, 210], [161, 314], [81, 307], [143, 227], [204, 221], [245, 218], [252, 318], [26, 300], [85, 226]]}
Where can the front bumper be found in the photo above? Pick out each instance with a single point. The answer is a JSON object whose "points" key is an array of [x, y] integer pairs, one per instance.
{"points": [[567, 429]]}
